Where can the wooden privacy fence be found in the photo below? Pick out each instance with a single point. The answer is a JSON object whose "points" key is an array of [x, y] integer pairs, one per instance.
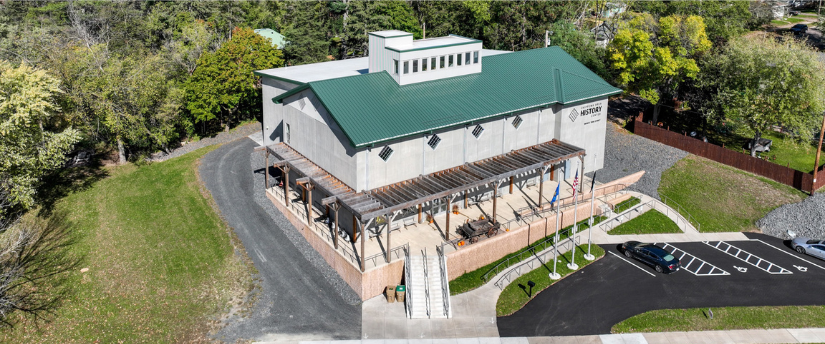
{"points": [[788, 176]]}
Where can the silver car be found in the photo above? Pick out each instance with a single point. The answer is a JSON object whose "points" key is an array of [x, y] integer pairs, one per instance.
{"points": [[809, 246]]}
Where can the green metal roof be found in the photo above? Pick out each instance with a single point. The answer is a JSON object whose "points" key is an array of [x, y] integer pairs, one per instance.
{"points": [[373, 108], [278, 40]]}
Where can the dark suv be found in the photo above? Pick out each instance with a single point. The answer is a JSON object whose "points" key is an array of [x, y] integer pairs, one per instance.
{"points": [[799, 29], [652, 255]]}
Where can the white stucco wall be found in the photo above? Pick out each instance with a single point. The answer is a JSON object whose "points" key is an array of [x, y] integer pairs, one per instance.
{"points": [[273, 113]]}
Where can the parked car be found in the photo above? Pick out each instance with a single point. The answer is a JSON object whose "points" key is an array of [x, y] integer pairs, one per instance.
{"points": [[652, 255], [794, 13], [799, 29], [812, 247]]}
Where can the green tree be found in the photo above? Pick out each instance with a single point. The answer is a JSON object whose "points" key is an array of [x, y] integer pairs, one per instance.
{"points": [[224, 80], [654, 57], [31, 144], [759, 81], [724, 19], [581, 46]]}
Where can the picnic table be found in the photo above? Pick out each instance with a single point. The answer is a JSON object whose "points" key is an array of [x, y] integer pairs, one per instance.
{"points": [[473, 229]]}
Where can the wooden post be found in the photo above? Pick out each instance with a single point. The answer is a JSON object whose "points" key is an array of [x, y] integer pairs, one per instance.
{"points": [[419, 214], [447, 225], [541, 186], [335, 207], [362, 241], [354, 227], [495, 196], [266, 172], [511, 185], [285, 169], [389, 229], [309, 188], [818, 151]]}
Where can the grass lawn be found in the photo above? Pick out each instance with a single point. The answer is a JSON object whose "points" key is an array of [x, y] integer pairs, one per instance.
{"points": [[513, 298], [779, 22], [162, 264], [473, 279], [725, 318], [651, 222], [626, 204], [722, 198], [794, 20], [784, 151]]}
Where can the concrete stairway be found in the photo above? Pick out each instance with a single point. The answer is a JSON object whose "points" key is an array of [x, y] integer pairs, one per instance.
{"points": [[425, 288], [416, 288]]}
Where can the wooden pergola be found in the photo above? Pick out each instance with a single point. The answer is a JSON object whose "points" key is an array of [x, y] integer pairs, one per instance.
{"points": [[391, 200]]}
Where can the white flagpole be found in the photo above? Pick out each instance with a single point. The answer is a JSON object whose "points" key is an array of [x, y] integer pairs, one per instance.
{"points": [[589, 256], [572, 265], [554, 275]]}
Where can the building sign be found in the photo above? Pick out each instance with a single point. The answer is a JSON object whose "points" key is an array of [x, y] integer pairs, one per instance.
{"points": [[590, 113]]}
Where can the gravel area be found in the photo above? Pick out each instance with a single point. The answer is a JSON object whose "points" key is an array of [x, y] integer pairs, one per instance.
{"points": [[626, 153], [223, 137], [341, 287], [806, 218]]}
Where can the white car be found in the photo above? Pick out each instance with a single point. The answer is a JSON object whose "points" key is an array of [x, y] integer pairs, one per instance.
{"points": [[809, 246]]}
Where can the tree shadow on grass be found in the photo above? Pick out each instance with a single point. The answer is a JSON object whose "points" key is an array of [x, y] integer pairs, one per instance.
{"points": [[35, 261], [65, 181]]}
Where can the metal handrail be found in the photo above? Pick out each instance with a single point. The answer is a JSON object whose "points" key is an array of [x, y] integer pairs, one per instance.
{"points": [[652, 204], [445, 286], [682, 211], [374, 257], [426, 284], [531, 250], [409, 295], [545, 252]]}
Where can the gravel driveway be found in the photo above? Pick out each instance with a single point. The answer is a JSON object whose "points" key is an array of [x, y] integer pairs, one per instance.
{"points": [[300, 297]]}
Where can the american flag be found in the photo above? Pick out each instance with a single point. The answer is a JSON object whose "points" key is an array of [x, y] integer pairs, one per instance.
{"points": [[575, 184]]}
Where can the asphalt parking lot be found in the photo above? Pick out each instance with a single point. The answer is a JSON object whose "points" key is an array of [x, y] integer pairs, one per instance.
{"points": [[760, 272]]}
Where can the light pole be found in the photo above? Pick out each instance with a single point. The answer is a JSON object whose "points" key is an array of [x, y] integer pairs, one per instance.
{"points": [[572, 265], [554, 275], [589, 256]]}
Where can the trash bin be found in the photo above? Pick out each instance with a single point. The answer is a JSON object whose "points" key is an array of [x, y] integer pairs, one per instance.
{"points": [[400, 293], [391, 293]]}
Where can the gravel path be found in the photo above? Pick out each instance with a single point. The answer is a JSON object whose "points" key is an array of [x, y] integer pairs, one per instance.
{"points": [[223, 137], [626, 154], [806, 218], [300, 296]]}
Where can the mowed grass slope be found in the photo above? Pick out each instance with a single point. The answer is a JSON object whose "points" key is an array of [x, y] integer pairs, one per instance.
{"points": [[722, 198], [651, 222], [162, 263], [724, 318]]}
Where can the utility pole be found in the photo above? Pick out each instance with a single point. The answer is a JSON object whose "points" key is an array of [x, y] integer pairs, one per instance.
{"points": [[818, 151]]}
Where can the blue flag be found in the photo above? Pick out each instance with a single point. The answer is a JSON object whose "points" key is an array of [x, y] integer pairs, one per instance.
{"points": [[557, 194]]}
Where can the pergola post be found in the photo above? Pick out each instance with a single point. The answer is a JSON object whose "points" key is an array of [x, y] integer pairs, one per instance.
{"points": [[511, 184], [354, 227], [447, 225], [419, 214], [541, 186], [335, 208], [285, 170], [389, 229], [466, 203], [307, 186], [361, 225], [495, 196], [266, 172]]}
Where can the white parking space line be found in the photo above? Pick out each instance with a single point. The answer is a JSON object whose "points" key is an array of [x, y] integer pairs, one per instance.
{"points": [[631, 263], [748, 257], [693, 264], [790, 254]]}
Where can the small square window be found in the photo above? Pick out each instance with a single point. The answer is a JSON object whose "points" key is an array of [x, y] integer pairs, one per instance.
{"points": [[467, 58], [442, 62], [406, 67], [386, 153], [396, 66], [477, 131], [434, 141], [458, 59], [475, 57], [424, 65], [517, 122], [450, 59], [415, 66], [432, 63]]}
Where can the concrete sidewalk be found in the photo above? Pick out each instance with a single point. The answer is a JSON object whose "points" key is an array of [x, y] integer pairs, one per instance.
{"points": [[801, 335]]}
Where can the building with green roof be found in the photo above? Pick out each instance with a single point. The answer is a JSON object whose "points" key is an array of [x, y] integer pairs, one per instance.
{"points": [[278, 40], [421, 123]]}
